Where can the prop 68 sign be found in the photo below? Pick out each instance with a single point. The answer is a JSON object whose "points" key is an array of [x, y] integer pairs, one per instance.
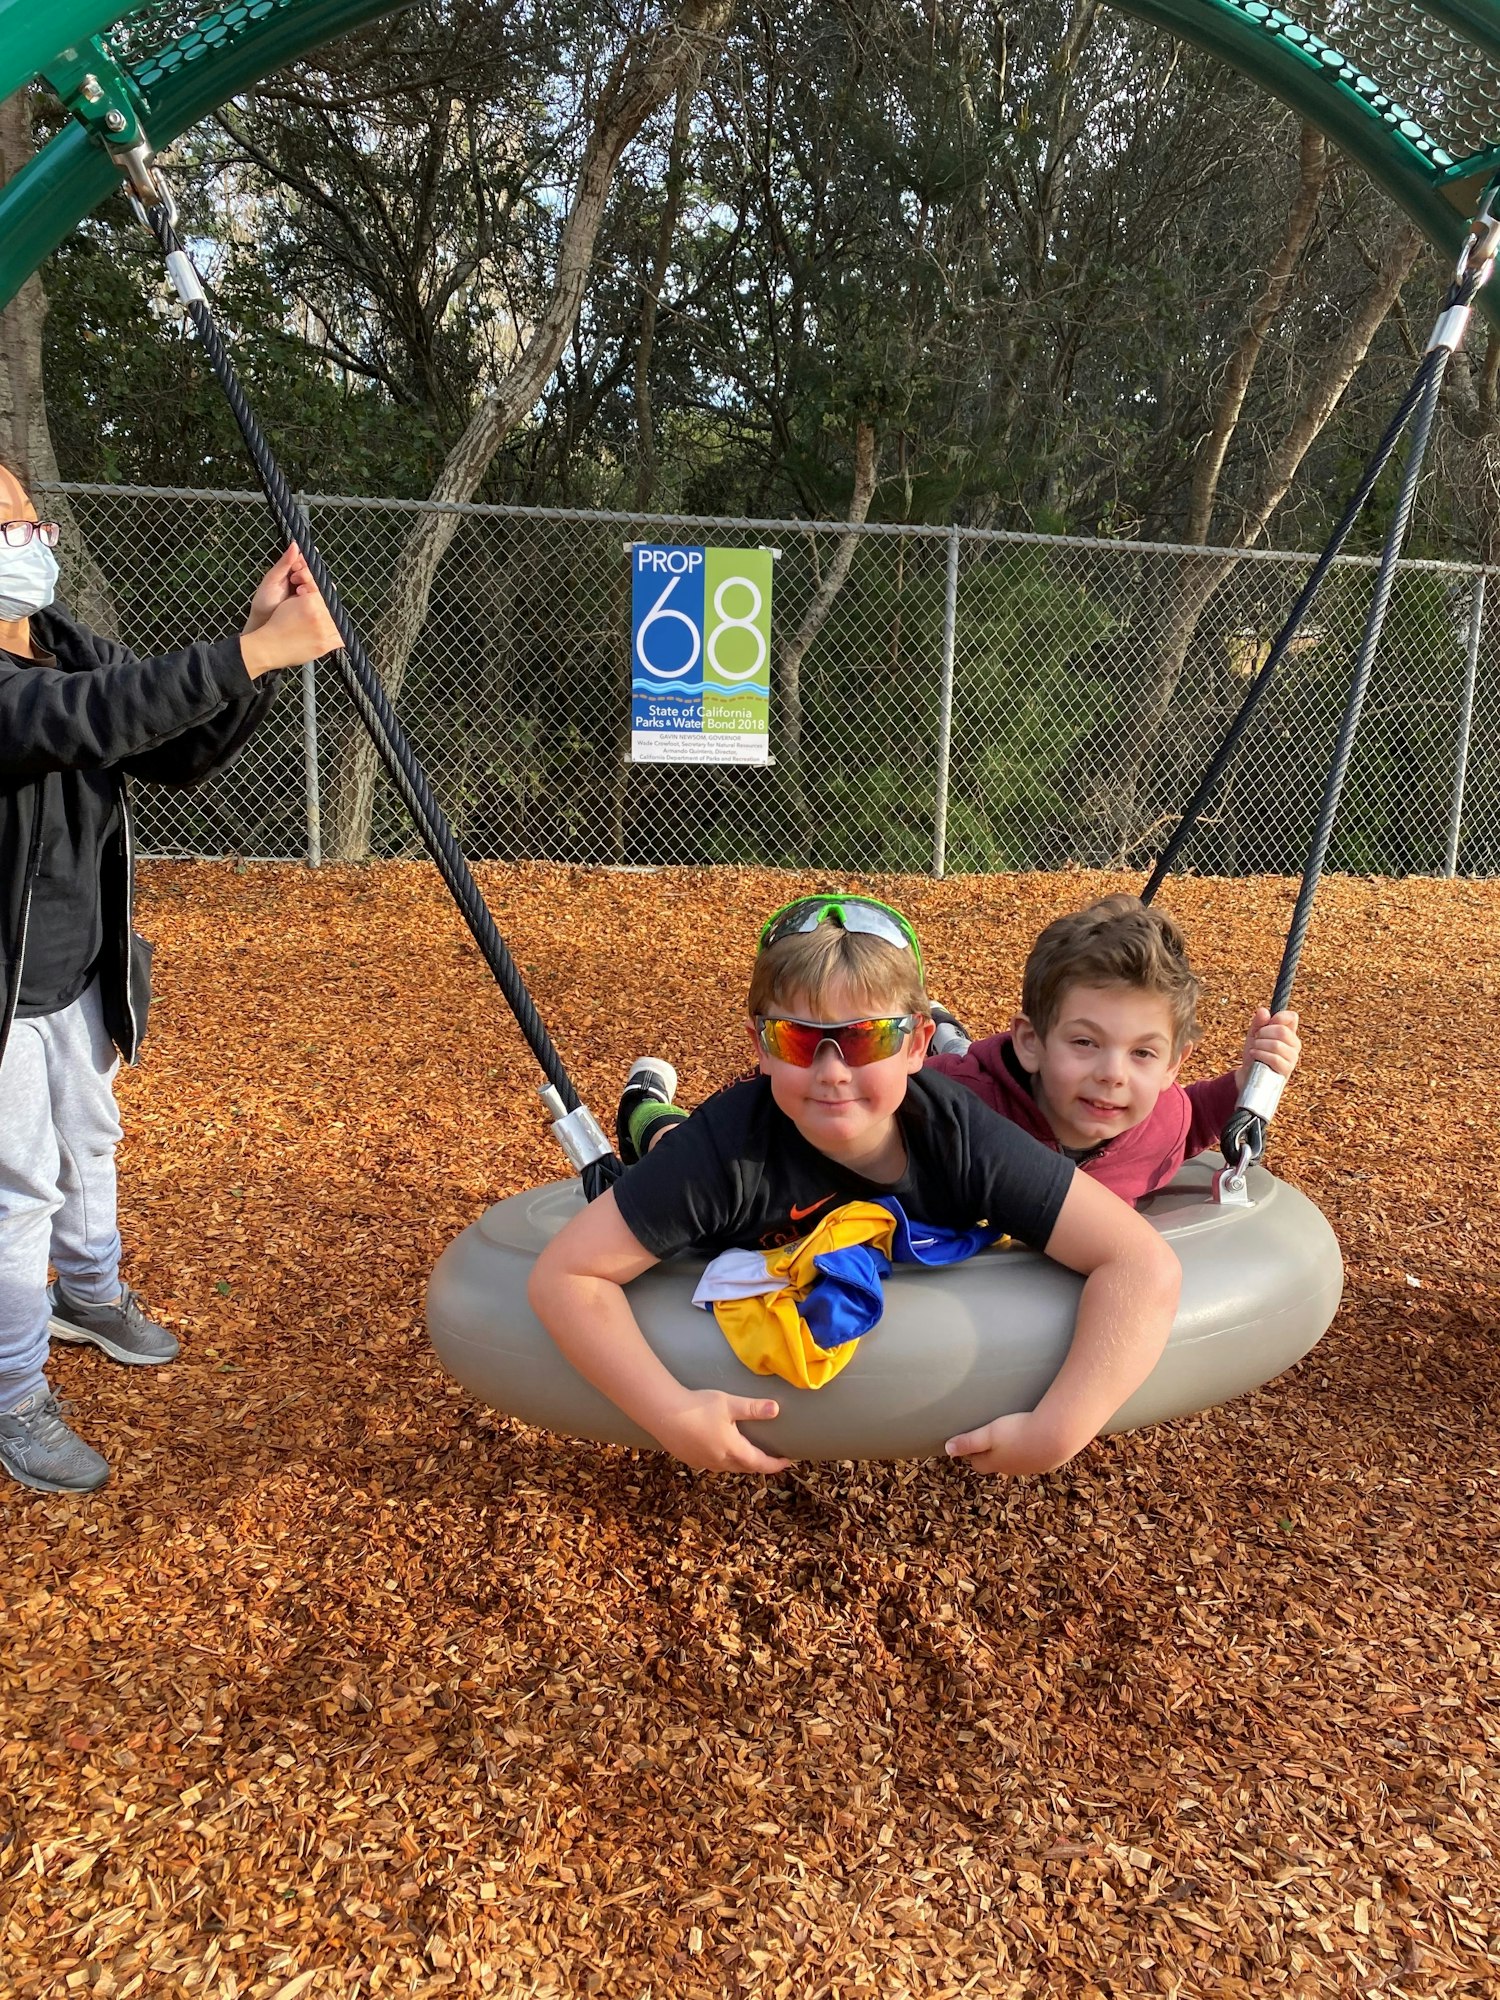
{"points": [[700, 646]]}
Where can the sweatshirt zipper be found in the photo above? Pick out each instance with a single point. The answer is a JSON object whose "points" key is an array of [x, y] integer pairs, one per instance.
{"points": [[129, 843]]}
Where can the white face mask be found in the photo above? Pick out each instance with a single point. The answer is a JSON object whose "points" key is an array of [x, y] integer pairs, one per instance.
{"points": [[28, 579]]}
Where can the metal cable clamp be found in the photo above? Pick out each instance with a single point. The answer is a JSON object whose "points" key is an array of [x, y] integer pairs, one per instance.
{"points": [[1476, 261], [577, 1132]]}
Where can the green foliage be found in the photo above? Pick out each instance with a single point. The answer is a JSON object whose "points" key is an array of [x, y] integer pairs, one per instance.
{"points": [[1024, 271], [131, 398]]}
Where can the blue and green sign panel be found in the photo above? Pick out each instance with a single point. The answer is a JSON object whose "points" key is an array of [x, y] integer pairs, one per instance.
{"points": [[700, 645]]}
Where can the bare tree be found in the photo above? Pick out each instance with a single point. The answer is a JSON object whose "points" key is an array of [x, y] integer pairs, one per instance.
{"points": [[795, 648], [666, 230], [1162, 648], [655, 63]]}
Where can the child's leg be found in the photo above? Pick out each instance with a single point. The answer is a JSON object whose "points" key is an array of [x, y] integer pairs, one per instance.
{"points": [[646, 1109], [28, 1201], [951, 1037], [81, 1070]]}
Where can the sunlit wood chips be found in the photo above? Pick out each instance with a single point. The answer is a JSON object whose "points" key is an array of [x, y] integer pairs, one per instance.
{"points": [[346, 1686]]}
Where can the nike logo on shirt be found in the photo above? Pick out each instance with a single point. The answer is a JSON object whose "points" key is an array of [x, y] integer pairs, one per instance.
{"points": [[812, 1208]]}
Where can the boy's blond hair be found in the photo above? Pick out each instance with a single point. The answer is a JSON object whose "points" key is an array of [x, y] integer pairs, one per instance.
{"points": [[1118, 941], [804, 968]]}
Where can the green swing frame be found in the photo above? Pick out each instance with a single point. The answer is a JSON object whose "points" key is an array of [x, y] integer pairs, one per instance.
{"points": [[1408, 88]]}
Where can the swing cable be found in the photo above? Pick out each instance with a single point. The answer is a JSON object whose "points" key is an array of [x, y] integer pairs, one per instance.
{"points": [[1244, 1135], [574, 1125]]}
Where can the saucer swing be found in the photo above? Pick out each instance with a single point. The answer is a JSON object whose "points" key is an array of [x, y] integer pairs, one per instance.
{"points": [[1410, 92]]}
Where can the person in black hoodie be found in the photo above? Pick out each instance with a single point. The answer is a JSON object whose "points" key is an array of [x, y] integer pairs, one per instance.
{"points": [[79, 715]]}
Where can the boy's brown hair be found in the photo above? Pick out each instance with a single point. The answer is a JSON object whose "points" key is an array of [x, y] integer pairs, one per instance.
{"points": [[803, 969], [1118, 941]]}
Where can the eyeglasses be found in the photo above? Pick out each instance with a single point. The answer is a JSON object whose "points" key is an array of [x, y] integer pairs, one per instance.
{"points": [[850, 913], [17, 534], [858, 1042]]}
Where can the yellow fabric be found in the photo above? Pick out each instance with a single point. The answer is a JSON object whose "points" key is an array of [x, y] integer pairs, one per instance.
{"points": [[768, 1333]]}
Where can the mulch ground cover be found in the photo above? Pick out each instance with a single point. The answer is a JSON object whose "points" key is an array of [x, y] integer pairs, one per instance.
{"points": [[345, 1685]]}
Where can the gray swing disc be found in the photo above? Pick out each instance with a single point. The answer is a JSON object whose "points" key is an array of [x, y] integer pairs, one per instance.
{"points": [[955, 1347]]}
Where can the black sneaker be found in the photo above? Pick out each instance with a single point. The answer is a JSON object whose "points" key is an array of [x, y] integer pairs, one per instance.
{"points": [[951, 1038], [122, 1330], [651, 1081], [38, 1449]]}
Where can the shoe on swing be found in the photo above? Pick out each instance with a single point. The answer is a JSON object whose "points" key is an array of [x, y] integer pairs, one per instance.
{"points": [[645, 1103], [951, 1037], [122, 1330]]}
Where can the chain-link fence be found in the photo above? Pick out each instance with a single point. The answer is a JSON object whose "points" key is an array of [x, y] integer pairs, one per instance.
{"points": [[968, 699]]}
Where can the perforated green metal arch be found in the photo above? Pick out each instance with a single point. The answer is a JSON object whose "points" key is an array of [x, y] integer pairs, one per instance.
{"points": [[1409, 88], [178, 61]]}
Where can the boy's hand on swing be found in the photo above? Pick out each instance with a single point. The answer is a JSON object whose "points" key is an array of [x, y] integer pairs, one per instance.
{"points": [[1016, 1445], [703, 1430], [1272, 1040]]}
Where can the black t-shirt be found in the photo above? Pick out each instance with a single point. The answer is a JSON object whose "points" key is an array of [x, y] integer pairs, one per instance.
{"points": [[739, 1175], [65, 927]]}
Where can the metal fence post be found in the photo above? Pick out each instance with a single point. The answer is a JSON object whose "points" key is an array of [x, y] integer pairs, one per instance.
{"points": [[310, 763], [312, 791], [1466, 717], [945, 712]]}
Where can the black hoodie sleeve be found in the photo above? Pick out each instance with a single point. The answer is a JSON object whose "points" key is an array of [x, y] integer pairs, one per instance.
{"points": [[169, 720]]}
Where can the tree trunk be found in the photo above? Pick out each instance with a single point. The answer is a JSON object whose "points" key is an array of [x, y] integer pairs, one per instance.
{"points": [[671, 209], [652, 70], [789, 665], [1115, 804], [25, 440], [1312, 179]]}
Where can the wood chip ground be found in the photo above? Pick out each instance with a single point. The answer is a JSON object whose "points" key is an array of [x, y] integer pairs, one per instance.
{"points": [[346, 1686]]}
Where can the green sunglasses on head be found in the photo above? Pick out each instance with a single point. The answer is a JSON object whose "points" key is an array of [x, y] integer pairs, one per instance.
{"points": [[850, 913]]}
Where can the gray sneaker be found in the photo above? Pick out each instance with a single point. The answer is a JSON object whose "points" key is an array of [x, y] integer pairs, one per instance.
{"points": [[37, 1448], [121, 1330]]}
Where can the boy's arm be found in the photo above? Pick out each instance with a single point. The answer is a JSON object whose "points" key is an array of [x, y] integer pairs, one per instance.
{"points": [[576, 1291], [1124, 1316], [1209, 1106], [1272, 1040]]}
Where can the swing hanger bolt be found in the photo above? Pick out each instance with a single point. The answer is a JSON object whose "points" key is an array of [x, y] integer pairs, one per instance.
{"points": [[1471, 274], [1231, 1184], [145, 183], [1483, 240]]}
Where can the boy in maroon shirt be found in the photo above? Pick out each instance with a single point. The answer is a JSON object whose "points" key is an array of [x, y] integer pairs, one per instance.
{"points": [[1090, 1064]]}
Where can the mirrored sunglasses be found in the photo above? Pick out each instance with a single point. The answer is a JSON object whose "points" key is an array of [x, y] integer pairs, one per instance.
{"points": [[850, 913], [858, 1042], [17, 534]]}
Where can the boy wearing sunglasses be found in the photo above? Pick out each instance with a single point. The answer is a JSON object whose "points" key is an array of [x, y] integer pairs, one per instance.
{"points": [[839, 1111], [1090, 1065]]}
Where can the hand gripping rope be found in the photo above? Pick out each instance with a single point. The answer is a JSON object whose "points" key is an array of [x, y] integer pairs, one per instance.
{"points": [[1244, 1136], [574, 1126]]}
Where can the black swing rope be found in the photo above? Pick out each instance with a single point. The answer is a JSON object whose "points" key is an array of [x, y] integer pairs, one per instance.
{"points": [[153, 202], [1244, 1134]]}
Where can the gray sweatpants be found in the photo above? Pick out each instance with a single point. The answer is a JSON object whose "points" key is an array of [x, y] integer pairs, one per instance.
{"points": [[58, 1132]]}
